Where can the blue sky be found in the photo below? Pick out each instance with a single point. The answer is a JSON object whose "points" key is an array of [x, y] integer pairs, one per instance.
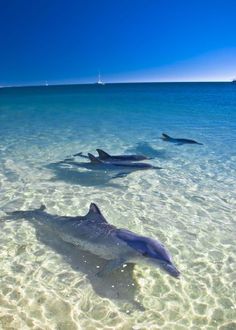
{"points": [[128, 40]]}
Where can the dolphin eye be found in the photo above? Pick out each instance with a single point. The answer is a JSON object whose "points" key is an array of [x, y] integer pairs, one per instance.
{"points": [[145, 254]]}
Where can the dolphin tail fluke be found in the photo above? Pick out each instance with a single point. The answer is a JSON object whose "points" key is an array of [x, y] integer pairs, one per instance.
{"points": [[80, 154], [14, 215], [102, 154], [23, 214], [93, 159]]}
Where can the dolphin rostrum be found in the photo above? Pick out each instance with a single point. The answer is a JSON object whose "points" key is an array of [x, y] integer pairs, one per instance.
{"points": [[93, 233], [167, 138], [104, 156]]}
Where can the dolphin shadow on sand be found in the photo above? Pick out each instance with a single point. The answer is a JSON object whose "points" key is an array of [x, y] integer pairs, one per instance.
{"points": [[119, 286], [96, 172], [72, 175], [146, 149]]}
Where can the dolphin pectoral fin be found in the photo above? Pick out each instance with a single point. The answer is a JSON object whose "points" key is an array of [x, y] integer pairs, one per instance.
{"points": [[110, 266]]}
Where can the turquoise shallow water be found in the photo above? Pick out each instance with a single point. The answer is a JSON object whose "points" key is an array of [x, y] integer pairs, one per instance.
{"points": [[189, 205]]}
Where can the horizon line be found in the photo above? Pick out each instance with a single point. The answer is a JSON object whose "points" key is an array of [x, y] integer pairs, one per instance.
{"points": [[118, 83]]}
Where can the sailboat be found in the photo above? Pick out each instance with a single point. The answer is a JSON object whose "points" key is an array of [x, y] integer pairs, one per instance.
{"points": [[100, 82]]}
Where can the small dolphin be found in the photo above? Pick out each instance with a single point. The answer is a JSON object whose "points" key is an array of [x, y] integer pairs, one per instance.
{"points": [[105, 157], [93, 233], [167, 138]]}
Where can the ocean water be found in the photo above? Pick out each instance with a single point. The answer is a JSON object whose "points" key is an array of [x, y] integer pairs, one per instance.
{"points": [[189, 205]]}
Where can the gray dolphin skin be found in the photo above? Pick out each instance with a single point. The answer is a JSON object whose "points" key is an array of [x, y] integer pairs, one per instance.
{"points": [[167, 138], [96, 164], [93, 233], [104, 156], [127, 164]]}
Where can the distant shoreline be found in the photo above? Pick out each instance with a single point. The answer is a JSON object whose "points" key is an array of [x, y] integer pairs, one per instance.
{"points": [[118, 83]]}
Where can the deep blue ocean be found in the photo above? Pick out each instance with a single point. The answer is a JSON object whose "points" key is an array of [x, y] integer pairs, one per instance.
{"points": [[189, 204]]}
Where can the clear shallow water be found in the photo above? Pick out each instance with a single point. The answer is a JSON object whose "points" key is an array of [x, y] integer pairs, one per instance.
{"points": [[189, 205]]}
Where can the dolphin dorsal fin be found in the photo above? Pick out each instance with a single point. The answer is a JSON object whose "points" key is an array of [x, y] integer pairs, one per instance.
{"points": [[94, 208], [93, 159], [42, 207], [95, 213], [102, 154], [165, 136]]}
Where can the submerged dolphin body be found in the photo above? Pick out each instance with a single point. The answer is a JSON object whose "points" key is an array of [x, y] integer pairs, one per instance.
{"points": [[98, 165], [94, 234], [167, 138], [141, 166], [105, 157]]}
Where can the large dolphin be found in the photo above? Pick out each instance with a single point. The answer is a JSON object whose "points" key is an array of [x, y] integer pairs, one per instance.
{"points": [[95, 164], [178, 141], [93, 233], [104, 156]]}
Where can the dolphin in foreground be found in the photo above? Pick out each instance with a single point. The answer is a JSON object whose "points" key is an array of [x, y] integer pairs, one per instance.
{"points": [[104, 156], [93, 233], [167, 138]]}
